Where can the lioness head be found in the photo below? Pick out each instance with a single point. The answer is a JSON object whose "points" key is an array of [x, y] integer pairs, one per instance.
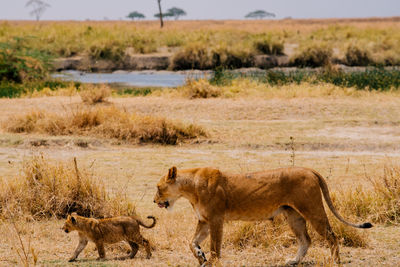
{"points": [[167, 190], [70, 223]]}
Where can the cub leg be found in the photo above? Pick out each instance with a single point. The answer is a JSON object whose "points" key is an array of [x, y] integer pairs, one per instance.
{"points": [[81, 245], [144, 242], [100, 250], [134, 247]]}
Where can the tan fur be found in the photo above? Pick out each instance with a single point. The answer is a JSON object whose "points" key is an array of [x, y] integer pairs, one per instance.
{"points": [[217, 197], [108, 231]]}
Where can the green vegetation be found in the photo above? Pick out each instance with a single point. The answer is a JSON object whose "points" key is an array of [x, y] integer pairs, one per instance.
{"points": [[370, 79], [21, 63]]}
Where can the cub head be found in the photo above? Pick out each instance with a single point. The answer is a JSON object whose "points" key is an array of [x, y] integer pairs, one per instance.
{"points": [[167, 190], [70, 223]]}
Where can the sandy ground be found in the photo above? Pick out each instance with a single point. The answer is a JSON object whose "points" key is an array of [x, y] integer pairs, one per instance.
{"points": [[342, 138]]}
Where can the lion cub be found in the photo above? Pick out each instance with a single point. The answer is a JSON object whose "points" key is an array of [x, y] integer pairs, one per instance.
{"points": [[111, 230]]}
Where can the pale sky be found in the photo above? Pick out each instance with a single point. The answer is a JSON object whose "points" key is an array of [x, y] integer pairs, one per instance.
{"points": [[203, 9]]}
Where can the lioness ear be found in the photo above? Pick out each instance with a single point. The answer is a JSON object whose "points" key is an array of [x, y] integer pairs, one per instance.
{"points": [[172, 175]]}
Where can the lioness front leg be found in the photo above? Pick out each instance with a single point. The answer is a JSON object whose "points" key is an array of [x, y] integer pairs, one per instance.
{"points": [[82, 244], [201, 233], [216, 230]]}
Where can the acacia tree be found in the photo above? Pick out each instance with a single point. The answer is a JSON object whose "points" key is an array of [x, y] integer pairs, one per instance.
{"points": [[176, 12], [164, 15], [160, 14], [38, 8], [259, 14], [135, 15]]}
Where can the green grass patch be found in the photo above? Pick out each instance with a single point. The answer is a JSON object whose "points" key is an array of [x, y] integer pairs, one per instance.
{"points": [[371, 79], [10, 89]]}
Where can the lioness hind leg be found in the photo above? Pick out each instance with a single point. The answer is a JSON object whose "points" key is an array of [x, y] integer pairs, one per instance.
{"points": [[318, 219], [134, 247], [298, 225]]}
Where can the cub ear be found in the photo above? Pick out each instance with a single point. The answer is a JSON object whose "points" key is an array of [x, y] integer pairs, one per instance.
{"points": [[172, 175], [73, 219]]}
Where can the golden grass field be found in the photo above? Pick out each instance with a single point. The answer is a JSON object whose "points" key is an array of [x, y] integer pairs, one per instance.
{"points": [[347, 137], [378, 37]]}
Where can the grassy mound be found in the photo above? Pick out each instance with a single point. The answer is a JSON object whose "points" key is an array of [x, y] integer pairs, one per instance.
{"points": [[105, 123], [54, 189]]}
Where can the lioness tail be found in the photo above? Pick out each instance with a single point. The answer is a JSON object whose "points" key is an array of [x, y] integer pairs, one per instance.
{"points": [[148, 226], [325, 193]]}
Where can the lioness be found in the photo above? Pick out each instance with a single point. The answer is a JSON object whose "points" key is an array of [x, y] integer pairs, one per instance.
{"points": [[109, 231], [217, 196]]}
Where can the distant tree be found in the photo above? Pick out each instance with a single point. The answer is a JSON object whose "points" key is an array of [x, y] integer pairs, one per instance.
{"points": [[38, 8], [135, 15], [176, 12], [259, 14], [160, 14], [164, 15]]}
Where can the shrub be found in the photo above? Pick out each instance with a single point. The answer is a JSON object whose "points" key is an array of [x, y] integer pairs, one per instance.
{"points": [[95, 94], [231, 57], [199, 56], [19, 63], [193, 56], [106, 123], [200, 89], [269, 47], [109, 50], [54, 189], [357, 57], [313, 56]]}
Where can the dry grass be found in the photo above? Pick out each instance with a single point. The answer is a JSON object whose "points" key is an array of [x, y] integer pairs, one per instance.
{"points": [[54, 189], [247, 88], [200, 89], [232, 40], [313, 55], [95, 94], [107, 123], [381, 204], [336, 135]]}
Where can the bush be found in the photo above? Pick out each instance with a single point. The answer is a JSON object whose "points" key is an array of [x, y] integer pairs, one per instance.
{"points": [[54, 189], [110, 51], [268, 46], [95, 94], [231, 57], [200, 89], [193, 56], [313, 56], [106, 123], [19, 63], [357, 57], [199, 56]]}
